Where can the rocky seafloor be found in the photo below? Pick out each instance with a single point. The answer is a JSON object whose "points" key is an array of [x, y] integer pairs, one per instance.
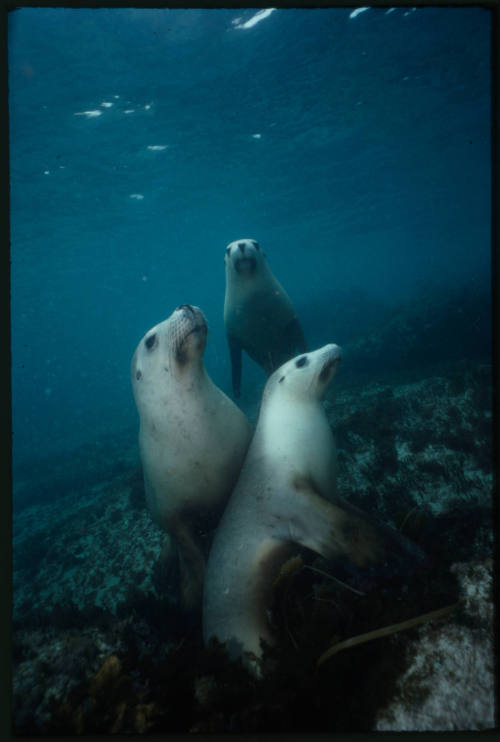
{"points": [[100, 645]]}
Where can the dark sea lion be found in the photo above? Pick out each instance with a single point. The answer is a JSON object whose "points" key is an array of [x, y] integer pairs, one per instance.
{"points": [[258, 315]]}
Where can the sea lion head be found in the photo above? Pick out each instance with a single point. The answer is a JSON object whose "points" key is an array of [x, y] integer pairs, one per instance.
{"points": [[171, 347], [306, 376], [187, 334], [243, 257]]}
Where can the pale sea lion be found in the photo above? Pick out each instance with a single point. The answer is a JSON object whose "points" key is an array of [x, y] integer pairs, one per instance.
{"points": [[258, 315], [285, 495], [192, 438]]}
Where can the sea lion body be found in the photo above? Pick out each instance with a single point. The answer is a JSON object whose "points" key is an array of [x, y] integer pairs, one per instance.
{"points": [[192, 437], [258, 314], [285, 495]]}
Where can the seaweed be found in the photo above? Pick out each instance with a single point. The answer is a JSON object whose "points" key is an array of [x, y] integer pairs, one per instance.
{"points": [[155, 675]]}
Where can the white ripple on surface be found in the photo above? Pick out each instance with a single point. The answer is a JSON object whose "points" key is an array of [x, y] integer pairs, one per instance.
{"points": [[157, 147], [137, 196], [257, 18], [106, 104], [88, 114], [357, 12]]}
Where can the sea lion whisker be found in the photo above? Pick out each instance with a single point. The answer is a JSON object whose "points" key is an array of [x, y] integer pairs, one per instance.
{"points": [[334, 579]]}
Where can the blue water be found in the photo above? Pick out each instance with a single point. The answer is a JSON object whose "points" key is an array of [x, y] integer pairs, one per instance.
{"points": [[356, 150]]}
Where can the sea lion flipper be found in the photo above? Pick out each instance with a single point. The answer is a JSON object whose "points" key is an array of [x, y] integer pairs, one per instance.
{"points": [[337, 530], [365, 551], [235, 353]]}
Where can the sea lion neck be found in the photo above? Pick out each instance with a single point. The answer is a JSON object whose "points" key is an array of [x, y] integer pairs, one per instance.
{"points": [[192, 372]]}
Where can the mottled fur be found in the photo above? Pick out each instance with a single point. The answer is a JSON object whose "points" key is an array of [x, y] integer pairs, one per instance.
{"points": [[192, 438]]}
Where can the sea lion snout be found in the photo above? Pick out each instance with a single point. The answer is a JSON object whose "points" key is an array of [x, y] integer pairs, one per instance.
{"points": [[190, 333], [333, 352], [187, 317], [242, 254], [190, 313], [331, 363]]}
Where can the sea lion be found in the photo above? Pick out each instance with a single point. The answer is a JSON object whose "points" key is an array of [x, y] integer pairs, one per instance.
{"points": [[192, 438], [285, 495], [258, 315]]}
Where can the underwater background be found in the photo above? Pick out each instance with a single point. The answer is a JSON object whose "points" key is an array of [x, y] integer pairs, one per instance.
{"points": [[355, 146]]}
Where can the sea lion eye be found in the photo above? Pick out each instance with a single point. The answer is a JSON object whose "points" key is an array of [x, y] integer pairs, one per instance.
{"points": [[302, 361], [150, 341], [282, 379]]}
